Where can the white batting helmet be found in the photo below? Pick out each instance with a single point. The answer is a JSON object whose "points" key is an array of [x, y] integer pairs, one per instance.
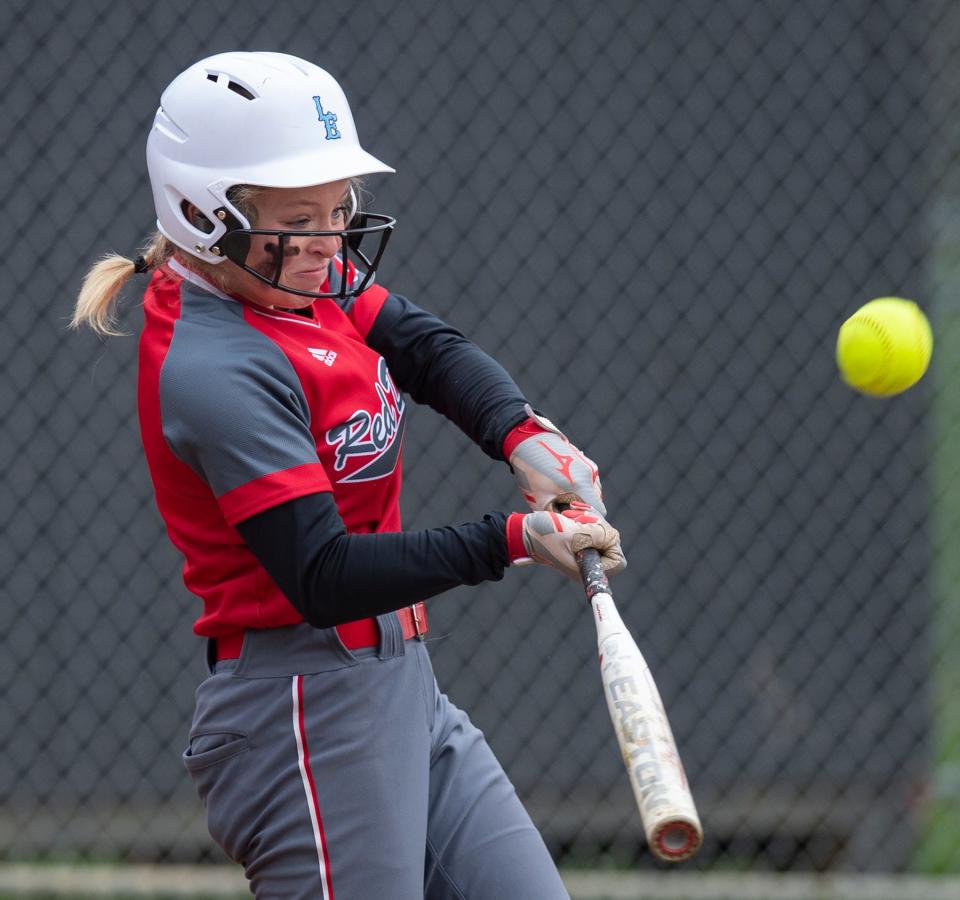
{"points": [[264, 119]]}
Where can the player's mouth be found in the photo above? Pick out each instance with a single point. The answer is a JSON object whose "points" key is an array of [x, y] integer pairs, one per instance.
{"points": [[318, 272]]}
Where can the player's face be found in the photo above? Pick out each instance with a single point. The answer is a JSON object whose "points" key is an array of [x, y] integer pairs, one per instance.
{"points": [[323, 207]]}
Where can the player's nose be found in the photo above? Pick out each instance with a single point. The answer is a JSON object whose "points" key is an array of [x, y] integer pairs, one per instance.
{"points": [[326, 246]]}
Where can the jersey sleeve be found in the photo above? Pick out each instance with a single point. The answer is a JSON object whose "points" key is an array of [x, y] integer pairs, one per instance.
{"points": [[233, 409], [332, 577], [435, 364]]}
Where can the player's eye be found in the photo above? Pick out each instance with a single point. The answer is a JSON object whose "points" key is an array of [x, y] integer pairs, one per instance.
{"points": [[301, 222]]}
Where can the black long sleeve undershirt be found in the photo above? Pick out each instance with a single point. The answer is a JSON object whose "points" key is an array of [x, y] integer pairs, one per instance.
{"points": [[435, 364], [333, 577]]}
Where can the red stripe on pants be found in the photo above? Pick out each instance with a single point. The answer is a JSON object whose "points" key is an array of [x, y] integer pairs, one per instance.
{"points": [[310, 787]]}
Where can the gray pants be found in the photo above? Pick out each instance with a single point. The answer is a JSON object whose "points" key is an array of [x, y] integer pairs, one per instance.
{"points": [[335, 774]]}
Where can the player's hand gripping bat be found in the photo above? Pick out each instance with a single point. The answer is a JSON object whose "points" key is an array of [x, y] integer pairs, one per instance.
{"points": [[640, 722]]}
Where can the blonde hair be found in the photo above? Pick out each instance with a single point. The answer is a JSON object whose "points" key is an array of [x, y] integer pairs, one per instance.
{"points": [[97, 300]]}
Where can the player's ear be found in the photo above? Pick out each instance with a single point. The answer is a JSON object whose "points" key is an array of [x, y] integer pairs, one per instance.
{"points": [[196, 218]]}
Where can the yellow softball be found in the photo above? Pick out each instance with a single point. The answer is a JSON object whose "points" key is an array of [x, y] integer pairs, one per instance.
{"points": [[885, 346]]}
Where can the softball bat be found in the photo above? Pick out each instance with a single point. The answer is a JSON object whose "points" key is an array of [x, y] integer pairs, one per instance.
{"points": [[649, 751]]}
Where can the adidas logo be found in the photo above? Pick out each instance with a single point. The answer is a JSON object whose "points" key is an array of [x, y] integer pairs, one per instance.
{"points": [[327, 357]]}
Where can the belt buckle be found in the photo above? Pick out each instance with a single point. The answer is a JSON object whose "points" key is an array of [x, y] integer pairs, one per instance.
{"points": [[417, 623]]}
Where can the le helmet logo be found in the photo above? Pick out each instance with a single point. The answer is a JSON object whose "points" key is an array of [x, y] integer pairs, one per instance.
{"points": [[329, 120]]}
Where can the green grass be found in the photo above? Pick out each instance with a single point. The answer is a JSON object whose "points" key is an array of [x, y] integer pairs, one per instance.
{"points": [[939, 847]]}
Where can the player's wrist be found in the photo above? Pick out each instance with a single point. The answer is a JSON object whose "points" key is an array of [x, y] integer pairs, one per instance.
{"points": [[516, 549], [528, 428]]}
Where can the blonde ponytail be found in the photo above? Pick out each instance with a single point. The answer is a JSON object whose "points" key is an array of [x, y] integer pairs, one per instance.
{"points": [[96, 302]]}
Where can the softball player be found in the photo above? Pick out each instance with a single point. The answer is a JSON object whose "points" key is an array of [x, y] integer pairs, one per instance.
{"points": [[273, 380]]}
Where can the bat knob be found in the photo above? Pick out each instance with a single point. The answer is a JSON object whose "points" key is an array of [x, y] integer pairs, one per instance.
{"points": [[562, 502], [676, 841]]}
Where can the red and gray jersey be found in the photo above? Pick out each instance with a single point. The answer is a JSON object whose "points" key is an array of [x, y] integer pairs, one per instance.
{"points": [[246, 410]]}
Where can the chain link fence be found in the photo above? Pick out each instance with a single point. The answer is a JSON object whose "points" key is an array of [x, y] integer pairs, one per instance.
{"points": [[655, 215]]}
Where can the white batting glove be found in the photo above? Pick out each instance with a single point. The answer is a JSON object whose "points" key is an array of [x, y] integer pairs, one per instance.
{"points": [[546, 465], [552, 538]]}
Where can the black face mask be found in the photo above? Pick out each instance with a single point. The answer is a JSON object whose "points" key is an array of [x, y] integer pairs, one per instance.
{"points": [[362, 244]]}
